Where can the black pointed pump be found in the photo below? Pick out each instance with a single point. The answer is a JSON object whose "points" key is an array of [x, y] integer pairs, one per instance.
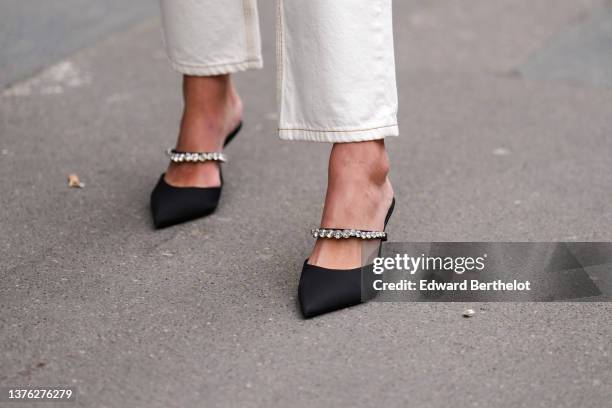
{"points": [[172, 205], [323, 290]]}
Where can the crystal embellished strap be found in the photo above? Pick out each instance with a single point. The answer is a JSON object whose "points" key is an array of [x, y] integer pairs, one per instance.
{"points": [[195, 157], [348, 233]]}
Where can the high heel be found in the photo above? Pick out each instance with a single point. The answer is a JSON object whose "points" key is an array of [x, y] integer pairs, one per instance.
{"points": [[323, 290], [172, 205]]}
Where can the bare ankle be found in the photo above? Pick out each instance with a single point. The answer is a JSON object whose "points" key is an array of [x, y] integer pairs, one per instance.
{"points": [[202, 90], [212, 110], [361, 162]]}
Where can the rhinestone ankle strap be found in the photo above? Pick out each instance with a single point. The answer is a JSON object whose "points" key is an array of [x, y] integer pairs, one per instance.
{"points": [[195, 157], [347, 233]]}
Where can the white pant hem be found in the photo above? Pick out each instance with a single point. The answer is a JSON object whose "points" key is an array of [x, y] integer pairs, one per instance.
{"points": [[339, 136], [216, 69]]}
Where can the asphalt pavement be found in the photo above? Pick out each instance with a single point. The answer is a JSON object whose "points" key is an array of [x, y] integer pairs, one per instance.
{"points": [[498, 143]]}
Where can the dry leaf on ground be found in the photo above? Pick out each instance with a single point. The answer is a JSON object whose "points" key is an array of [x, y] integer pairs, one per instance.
{"points": [[74, 182]]}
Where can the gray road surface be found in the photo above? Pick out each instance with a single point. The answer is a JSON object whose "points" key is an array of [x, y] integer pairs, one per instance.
{"points": [[205, 314], [35, 33]]}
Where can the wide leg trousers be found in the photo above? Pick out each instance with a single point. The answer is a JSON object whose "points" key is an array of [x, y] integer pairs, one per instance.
{"points": [[335, 59]]}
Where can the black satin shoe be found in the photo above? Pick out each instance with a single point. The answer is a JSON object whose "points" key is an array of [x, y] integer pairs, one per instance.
{"points": [[323, 290], [172, 205]]}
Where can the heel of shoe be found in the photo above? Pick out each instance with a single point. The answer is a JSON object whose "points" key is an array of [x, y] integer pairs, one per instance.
{"points": [[233, 134]]}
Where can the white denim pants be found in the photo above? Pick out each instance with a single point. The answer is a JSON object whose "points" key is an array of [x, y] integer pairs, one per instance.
{"points": [[336, 66]]}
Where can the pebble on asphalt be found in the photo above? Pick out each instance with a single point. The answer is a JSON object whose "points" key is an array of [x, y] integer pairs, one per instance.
{"points": [[468, 313]]}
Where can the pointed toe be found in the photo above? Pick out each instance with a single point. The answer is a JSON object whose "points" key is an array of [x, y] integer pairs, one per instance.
{"points": [[173, 205], [324, 290]]}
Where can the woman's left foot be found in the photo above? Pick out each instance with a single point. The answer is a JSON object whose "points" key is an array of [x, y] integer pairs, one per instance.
{"points": [[359, 197], [359, 194]]}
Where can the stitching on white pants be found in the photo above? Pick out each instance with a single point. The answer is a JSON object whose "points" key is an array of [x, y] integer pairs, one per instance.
{"points": [[213, 65], [247, 9], [279, 58], [338, 131]]}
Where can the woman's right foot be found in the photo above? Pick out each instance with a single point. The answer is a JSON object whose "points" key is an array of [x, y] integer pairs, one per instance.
{"points": [[191, 187], [212, 111]]}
